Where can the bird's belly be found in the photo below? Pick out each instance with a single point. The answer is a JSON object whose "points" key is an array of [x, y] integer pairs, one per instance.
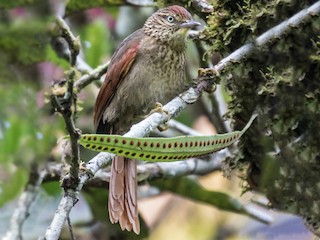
{"points": [[144, 85], [157, 84]]}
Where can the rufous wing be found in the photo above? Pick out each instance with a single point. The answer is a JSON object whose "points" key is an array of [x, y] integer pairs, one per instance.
{"points": [[120, 65]]}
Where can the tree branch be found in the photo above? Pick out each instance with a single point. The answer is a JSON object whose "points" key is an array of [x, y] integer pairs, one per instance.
{"points": [[185, 130], [150, 171], [174, 107], [203, 6], [86, 79], [73, 42]]}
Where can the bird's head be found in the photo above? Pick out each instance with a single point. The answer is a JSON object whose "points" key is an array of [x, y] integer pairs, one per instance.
{"points": [[170, 25]]}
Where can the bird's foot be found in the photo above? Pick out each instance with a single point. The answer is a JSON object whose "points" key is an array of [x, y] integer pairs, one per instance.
{"points": [[159, 109], [82, 167]]}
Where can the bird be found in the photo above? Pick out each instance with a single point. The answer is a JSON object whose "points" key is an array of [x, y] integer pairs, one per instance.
{"points": [[148, 67]]}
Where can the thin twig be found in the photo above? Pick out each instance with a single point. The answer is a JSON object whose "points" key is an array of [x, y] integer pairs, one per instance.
{"points": [[21, 213], [74, 133], [185, 130], [203, 5], [72, 236], [142, 3], [67, 106], [90, 77], [174, 107], [213, 112], [73, 42], [150, 171]]}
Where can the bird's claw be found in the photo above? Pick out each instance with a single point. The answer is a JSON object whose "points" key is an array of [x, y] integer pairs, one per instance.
{"points": [[159, 108], [82, 167]]}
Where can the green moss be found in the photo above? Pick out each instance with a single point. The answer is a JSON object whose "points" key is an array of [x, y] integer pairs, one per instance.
{"points": [[282, 148], [236, 22]]}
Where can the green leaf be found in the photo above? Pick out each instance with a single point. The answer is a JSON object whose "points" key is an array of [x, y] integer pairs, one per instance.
{"points": [[24, 137], [12, 186], [9, 142], [190, 188], [52, 56], [51, 188], [96, 44], [161, 149]]}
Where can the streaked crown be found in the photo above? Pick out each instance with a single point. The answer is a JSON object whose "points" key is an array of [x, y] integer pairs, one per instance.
{"points": [[170, 25]]}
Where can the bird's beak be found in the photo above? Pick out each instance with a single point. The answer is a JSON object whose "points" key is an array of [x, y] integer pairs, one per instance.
{"points": [[190, 24]]}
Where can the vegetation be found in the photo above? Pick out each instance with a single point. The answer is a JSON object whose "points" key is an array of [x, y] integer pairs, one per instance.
{"points": [[277, 157]]}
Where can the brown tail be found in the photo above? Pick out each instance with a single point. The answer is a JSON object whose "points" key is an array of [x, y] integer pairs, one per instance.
{"points": [[123, 205]]}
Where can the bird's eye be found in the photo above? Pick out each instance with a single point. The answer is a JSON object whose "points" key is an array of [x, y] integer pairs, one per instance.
{"points": [[170, 19]]}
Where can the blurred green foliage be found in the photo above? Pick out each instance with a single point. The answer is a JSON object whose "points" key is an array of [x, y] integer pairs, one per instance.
{"points": [[190, 188], [17, 3], [34, 36], [76, 5], [25, 136], [95, 41]]}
